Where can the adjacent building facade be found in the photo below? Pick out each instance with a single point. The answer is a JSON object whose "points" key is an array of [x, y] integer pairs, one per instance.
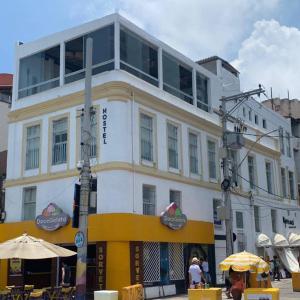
{"points": [[155, 148], [5, 100]]}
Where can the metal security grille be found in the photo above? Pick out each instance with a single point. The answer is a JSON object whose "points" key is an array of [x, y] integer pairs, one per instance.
{"points": [[151, 262], [176, 261]]}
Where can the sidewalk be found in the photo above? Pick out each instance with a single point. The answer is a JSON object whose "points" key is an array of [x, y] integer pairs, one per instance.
{"points": [[285, 286]]}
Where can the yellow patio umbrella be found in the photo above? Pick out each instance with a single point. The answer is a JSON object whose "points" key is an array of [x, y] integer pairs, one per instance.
{"points": [[244, 261], [29, 247]]}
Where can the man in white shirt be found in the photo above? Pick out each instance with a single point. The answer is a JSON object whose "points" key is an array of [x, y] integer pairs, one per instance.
{"points": [[195, 274]]}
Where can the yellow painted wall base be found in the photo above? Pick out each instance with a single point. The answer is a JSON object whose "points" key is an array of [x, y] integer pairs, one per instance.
{"points": [[205, 294], [255, 284], [272, 291], [296, 282], [3, 273], [117, 266]]}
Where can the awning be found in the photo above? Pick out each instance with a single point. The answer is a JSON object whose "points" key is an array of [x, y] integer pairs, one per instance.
{"points": [[263, 240], [280, 241], [294, 239]]}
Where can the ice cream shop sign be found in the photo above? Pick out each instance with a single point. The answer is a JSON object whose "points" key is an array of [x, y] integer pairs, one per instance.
{"points": [[52, 218], [173, 217]]}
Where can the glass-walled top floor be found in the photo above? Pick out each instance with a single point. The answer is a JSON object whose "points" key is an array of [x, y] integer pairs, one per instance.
{"points": [[114, 47]]}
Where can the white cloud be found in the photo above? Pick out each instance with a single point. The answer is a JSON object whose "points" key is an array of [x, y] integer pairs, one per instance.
{"points": [[195, 28], [270, 56]]}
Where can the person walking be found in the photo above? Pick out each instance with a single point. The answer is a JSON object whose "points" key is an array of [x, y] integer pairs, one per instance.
{"points": [[205, 267], [276, 265], [195, 274], [65, 275]]}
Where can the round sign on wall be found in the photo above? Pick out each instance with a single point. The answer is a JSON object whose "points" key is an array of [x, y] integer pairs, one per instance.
{"points": [[79, 239]]}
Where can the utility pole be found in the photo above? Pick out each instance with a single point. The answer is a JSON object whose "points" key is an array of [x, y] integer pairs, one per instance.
{"points": [[85, 178], [226, 184], [227, 196]]}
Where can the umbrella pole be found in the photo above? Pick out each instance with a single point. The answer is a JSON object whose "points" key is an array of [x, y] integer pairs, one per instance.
{"points": [[57, 271]]}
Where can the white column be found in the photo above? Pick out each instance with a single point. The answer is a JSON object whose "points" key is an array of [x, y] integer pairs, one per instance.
{"points": [[117, 43], [160, 68], [62, 64]]}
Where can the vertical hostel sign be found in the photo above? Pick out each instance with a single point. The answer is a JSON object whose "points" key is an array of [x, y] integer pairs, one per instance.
{"points": [[136, 262]]}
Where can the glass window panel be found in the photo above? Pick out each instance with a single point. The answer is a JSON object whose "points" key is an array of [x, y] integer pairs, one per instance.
{"points": [[269, 177], [103, 44], [103, 54], [288, 145], [251, 170], [39, 72], [175, 196], [173, 146], [194, 153], [212, 167], [291, 182], [146, 128], [60, 138], [256, 218], [138, 56], [202, 92], [177, 78], [283, 183], [74, 55], [32, 147], [216, 203], [239, 220], [29, 203], [148, 200], [274, 220]]}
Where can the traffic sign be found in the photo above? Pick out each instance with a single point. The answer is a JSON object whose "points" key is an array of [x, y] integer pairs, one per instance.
{"points": [[79, 239]]}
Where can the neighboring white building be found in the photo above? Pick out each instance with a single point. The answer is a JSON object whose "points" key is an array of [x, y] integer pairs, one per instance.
{"points": [[156, 140]]}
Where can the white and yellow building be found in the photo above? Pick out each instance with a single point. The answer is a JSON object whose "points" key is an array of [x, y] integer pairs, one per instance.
{"points": [[155, 140]]}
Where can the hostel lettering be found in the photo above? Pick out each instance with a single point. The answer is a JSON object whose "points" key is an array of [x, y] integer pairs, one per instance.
{"points": [[101, 266], [104, 125], [136, 258]]}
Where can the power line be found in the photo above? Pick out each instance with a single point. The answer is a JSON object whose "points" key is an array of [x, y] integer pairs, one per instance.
{"points": [[279, 196]]}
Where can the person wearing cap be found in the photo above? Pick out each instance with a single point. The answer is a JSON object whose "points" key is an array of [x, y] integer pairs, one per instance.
{"points": [[195, 274]]}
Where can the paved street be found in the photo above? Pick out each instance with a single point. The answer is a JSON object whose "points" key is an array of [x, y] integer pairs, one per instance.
{"points": [[285, 285]]}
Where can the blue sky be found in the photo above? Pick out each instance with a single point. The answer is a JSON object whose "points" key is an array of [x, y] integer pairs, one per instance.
{"points": [[255, 35]]}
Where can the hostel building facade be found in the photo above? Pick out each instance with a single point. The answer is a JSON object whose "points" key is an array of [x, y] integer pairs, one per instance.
{"points": [[155, 141]]}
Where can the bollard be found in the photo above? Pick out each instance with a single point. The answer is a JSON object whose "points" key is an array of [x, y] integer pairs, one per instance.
{"points": [[106, 295]]}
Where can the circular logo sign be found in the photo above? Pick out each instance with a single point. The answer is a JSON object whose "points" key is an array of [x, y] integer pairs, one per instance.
{"points": [[79, 239]]}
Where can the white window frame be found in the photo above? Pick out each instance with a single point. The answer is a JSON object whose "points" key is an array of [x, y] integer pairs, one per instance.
{"points": [[149, 203], [271, 177], [30, 143], [144, 161], [171, 168], [25, 190], [217, 222], [254, 188], [283, 182], [198, 152], [257, 224], [59, 162], [212, 179], [240, 213]]}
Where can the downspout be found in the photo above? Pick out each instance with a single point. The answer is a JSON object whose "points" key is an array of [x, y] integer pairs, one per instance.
{"points": [[132, 150]]}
